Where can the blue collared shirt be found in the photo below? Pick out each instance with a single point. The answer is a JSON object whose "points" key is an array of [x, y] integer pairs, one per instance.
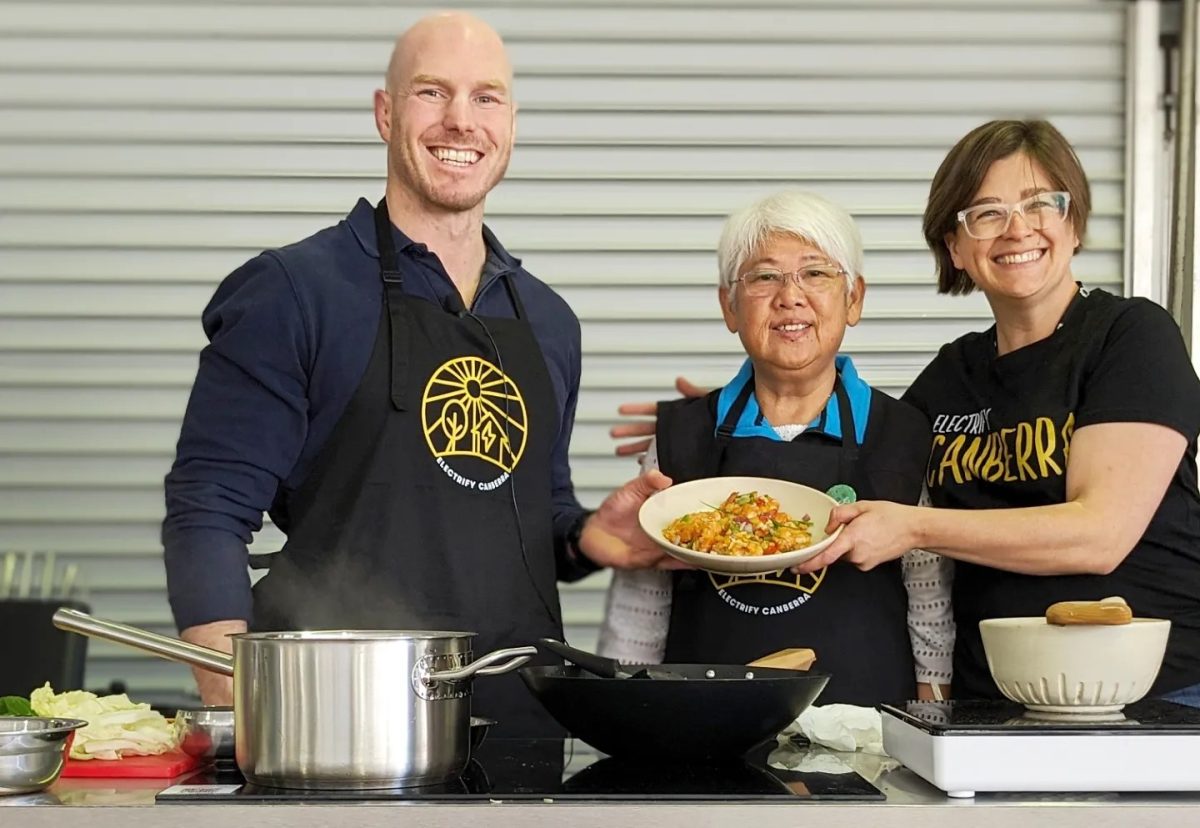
{"points": [[751, 423]]}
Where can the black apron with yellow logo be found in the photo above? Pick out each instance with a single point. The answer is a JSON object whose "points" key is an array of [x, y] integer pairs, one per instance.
{"points": [[855, 621], [430, 505]]}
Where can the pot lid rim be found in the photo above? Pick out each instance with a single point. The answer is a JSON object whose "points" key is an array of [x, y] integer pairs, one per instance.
{"points": [[352, 635]]}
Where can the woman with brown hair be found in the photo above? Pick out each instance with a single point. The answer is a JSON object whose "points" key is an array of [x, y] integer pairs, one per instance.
{"points": [[1064, 436]]}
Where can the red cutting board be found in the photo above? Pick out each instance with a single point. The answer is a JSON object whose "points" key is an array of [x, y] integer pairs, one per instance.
{"points": [[163, 766]]}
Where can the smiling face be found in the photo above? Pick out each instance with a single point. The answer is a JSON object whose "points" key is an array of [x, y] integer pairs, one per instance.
{"points": [[791, 330], [448, 116], [1023, 263]]}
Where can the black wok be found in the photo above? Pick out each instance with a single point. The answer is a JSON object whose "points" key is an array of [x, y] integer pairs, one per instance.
{"points": [[704, 711]]}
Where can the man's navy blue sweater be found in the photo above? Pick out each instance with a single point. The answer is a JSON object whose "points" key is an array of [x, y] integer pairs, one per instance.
{"points": [[290, 334]]}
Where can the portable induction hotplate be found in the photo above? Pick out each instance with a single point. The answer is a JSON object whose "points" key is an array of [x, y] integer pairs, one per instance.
{"points": [[967, 746], [569, 770]]}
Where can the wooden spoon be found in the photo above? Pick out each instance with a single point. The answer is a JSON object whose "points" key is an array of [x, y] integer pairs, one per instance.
{"points": [[1110, 611], [796, 658]]}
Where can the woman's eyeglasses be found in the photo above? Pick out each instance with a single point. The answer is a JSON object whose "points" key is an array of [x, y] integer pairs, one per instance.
{"points": [[990, 221], [815, 278]]}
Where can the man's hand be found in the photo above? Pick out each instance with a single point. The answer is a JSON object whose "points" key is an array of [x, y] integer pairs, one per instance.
{"points": [[873, 532], [612, 535], [214, 688], [645, 428]]}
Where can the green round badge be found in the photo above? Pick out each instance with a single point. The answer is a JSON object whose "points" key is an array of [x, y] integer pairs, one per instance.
{"points": [[842, 493]]}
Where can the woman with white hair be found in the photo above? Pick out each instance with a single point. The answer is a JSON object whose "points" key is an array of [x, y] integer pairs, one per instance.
{"points": [[790, 283]]}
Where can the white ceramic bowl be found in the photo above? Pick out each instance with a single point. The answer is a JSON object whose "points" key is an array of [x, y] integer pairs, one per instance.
{"points": [[1082, 669], [700, 495]]}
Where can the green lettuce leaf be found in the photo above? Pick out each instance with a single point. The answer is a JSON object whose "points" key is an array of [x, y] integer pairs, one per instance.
{"points": [[15, 706]]}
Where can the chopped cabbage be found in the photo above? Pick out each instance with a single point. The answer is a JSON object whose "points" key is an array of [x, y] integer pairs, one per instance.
{"points": [[116, 726]]}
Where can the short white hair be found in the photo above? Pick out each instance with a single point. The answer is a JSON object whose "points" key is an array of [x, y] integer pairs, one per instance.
{"points": [[804, 215]]}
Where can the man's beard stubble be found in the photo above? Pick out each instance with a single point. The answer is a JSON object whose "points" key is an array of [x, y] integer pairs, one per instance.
{"points": [[448, 198]]}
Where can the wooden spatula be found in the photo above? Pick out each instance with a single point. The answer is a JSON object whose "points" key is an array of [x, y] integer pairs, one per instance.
{"points": [[796, 658], [1110, 611]]}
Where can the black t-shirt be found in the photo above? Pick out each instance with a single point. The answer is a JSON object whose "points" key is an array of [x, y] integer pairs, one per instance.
{"points": [[1002, 429]]}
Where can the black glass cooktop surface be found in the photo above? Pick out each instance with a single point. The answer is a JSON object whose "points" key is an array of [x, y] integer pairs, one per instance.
{"points": [[556, 769], [1002, 717]]}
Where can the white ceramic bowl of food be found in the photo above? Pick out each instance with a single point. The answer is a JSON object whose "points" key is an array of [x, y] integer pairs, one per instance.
{"points": [[1081, 669], [702, 495]]}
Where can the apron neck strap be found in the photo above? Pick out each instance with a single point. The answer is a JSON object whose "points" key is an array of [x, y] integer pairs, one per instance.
{"points": [[847, 457], [513, 296], [393, 278], [394, 306], [387, 246], [845, 415], [727, 426]]}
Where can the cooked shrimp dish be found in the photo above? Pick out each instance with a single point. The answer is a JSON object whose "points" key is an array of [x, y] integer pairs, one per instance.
{"points": [[746, 525]]}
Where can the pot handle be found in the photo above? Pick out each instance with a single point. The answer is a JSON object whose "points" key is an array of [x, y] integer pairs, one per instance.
{"points": [[172, 648], [481, 666]]}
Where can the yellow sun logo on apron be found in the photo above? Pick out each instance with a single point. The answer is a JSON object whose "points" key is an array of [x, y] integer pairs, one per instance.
{"points": [[471, 409]]}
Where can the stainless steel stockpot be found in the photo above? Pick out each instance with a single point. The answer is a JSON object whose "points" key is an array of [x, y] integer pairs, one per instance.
{"points": [[338, 709]]}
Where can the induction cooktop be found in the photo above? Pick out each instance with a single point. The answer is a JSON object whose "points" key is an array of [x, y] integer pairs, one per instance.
{"points": [[964, 747], [569, 770]]}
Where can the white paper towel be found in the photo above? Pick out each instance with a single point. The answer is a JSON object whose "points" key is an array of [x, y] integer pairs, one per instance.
{"points": [[843, 727]]}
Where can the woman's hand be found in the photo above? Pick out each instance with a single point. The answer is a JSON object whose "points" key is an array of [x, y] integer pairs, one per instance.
{"points": [[873, 532], [644, 429], [613, 537]]}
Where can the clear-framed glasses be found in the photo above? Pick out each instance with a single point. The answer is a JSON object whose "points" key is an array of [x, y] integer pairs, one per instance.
{"points": [[813, 278], [990, 221]]}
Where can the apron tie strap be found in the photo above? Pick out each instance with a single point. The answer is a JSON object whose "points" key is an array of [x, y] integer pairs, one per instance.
{"points": [[394, 306]]}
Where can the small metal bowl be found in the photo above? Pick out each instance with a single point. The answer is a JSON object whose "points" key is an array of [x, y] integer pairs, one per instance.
{"points": [[206, 732], [33, 751]]}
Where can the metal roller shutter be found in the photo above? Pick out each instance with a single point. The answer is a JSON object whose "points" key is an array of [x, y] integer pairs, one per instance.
{"points": [[147, 148]]}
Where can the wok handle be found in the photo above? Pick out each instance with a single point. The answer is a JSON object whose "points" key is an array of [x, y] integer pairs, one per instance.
{"points": [[171, 648], [483, 666], [597, 665]]}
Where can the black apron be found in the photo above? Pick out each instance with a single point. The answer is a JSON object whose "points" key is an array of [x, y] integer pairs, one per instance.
{"points": [[855, 621], [408, 519]]}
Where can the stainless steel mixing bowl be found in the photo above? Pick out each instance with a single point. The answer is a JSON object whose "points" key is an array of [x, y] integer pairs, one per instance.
{"points": [[33, 751], [206, 732]]}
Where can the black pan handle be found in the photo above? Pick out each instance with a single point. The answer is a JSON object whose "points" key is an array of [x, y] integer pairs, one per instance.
{"points": [[594, 664]]}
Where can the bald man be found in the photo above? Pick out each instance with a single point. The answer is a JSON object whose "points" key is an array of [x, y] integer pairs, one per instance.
{"points": [[397, 392]]}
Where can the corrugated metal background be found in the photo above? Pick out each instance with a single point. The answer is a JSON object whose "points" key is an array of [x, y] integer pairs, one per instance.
{"points": [[148, 148]]}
